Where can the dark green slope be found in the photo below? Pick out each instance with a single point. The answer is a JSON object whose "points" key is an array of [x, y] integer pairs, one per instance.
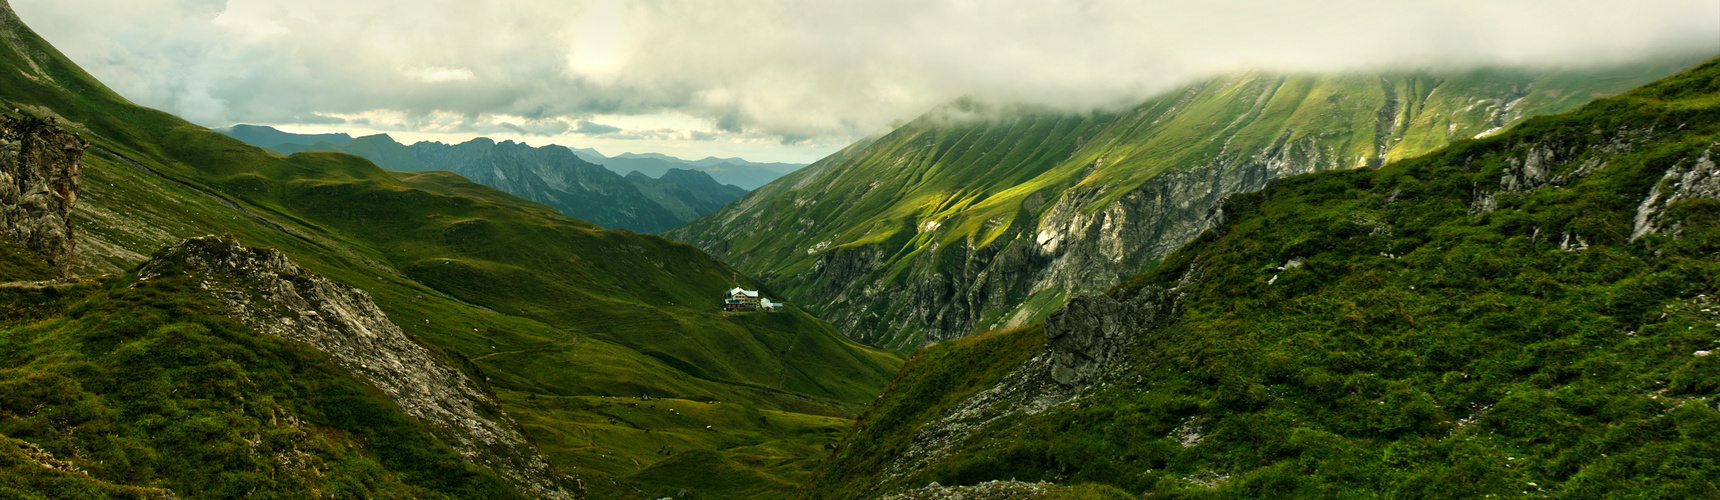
{"points": [[685, 193], [977, 216], [1527, 315], [383, 150], [564, 318], [262, 136]]}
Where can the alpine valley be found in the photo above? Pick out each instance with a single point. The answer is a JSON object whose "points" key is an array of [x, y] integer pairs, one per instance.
{"points": [[1480, 283], [188, 316], [979, 216], [1529, 315]]}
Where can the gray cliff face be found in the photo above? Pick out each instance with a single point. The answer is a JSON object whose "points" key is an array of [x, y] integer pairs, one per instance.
{"points": [[1539, 165], [1071, 251], [273, 295], [974, 217], [1088, 343], [39, 178], [1698, 178]]}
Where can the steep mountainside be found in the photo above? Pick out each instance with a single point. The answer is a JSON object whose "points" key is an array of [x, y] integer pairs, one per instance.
{"points": [[561, 325], [976, 216], [148, 386], [687, 194], [1528, 315], [552, 175]]}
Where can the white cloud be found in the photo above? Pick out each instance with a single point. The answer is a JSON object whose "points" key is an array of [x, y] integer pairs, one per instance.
{"points": [[750, 73], [438, 75]]}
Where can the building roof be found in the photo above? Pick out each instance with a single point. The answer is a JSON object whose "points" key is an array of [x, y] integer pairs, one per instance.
{"points": [[749, 293]]}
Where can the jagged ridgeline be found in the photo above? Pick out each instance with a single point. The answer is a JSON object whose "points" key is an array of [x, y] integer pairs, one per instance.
{"points": [[365, 335], [552, 175], [1530, 314], [977, 216]]}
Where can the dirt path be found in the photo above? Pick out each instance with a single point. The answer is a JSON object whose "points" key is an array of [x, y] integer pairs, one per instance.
{"points": [[570, 342]]}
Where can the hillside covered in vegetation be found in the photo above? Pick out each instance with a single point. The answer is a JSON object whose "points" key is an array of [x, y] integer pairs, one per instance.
{"points": [[142, 385], [978, 216], [1527, 315]]}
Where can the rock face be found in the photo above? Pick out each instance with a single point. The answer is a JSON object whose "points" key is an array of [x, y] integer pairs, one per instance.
{"points": [[1085, 337], [1698, 178], [39, 177], [989, 490], [1087, 343], [975, 217], [273, 295]]}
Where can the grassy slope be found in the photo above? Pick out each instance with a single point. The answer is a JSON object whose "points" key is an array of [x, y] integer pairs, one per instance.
{"points": [[1482, 360], [987, 174], [546, 305], [123, 388]]}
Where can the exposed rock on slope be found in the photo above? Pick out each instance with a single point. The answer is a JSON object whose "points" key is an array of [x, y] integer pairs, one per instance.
{"points": [[975, 216], [1470, 323], [39, 177], [1086, 341], [272, 294], [1695, 179]]}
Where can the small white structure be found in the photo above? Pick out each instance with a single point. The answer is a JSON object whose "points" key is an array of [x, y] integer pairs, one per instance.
{"points": [[739, 299]]}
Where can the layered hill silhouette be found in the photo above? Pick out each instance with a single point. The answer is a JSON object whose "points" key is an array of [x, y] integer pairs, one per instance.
{"points": [[553, 175]]}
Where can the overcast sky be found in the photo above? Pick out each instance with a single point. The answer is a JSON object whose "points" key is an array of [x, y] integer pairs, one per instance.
{"points": [[777, 80]]}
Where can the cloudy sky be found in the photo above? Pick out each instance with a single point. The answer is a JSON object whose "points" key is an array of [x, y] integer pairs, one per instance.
{"points": [[777, 80]]}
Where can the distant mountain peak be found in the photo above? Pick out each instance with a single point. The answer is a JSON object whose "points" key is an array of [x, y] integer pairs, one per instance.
{"points": [[264, 136]]}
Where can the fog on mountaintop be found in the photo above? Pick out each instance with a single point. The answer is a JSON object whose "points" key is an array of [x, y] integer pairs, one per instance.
{"points": [[793, 79]]}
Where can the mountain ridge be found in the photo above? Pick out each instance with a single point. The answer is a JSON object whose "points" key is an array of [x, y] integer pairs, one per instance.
{"points": [[737, 171], [553, 175], [1528, 314], [569, 326], [979, 216]]}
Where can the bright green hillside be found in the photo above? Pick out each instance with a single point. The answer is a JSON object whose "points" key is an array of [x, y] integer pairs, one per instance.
{"points": [[1427, 346], [938, 228], [123, 388], [566, 320]]}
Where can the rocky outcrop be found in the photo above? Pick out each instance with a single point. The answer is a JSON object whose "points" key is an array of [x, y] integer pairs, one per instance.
{"points": [[976, 217], [1072, 249], [273, 295], [989, 490], [1546, 164], [1087, 343], [1084, 337], [39, 177], [1698, 178]]}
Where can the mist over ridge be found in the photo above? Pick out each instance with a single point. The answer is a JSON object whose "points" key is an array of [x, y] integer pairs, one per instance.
{"points": [[791, 81]]}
